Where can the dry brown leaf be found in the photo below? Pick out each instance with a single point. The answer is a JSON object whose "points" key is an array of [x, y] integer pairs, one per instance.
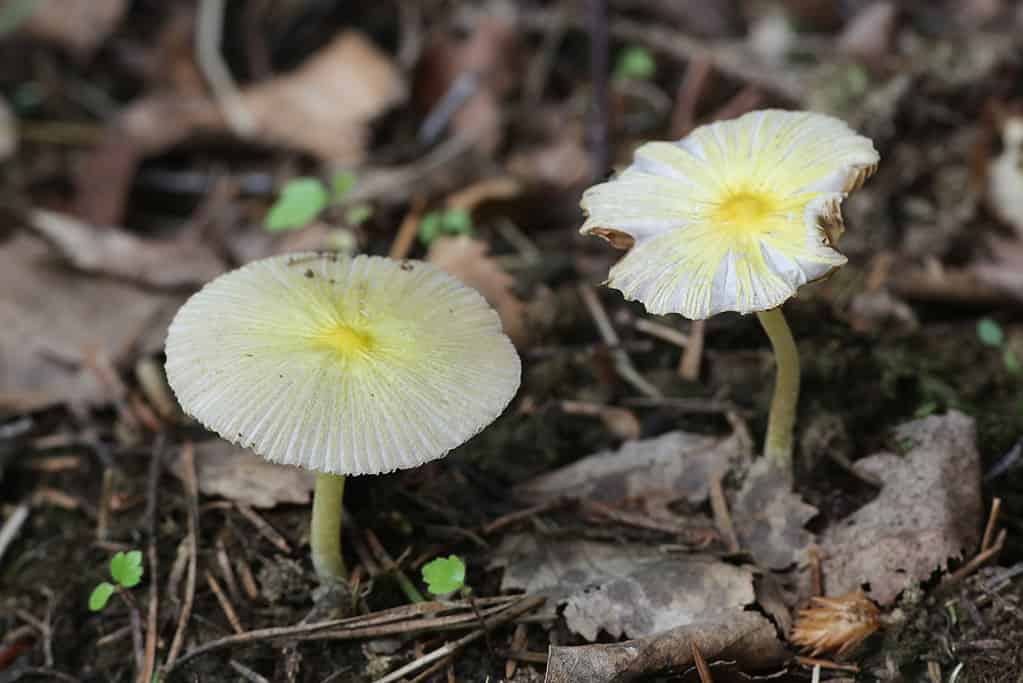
{"points": [[769, 518], [631, 590], [158, 263], [239, 475], [673, 466], [53, 317], [928, 511], [325, 106], [744, 637], [466, 258], [79, 25]]}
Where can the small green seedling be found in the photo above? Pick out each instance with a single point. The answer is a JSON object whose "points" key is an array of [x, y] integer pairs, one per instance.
{"points": [[126, 571], [446, 222], [303, 199], [444, 575], [990, 334], [635, 63]]}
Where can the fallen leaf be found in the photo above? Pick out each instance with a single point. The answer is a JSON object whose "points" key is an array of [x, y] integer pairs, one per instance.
{"points": [[323, 108], [53, 316], [627, 590], [110, 251], [241, 476], [79, 25], [466, 258], [673, 466], [744, 637], [769, 518], [928, 511]]}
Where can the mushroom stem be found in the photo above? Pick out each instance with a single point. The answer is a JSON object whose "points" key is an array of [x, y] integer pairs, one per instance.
{"points": [[778, 444], [325, 531]]}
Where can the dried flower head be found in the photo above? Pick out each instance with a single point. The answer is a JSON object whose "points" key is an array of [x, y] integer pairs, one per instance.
{"points": [[341, 365], [836, 624], [734, 217]]}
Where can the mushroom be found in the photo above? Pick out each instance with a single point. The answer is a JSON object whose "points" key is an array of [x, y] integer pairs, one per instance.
{"points": [[343, 366], [735, 217]]}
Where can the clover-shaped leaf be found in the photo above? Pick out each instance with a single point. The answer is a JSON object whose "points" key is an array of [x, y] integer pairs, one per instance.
{"points": [[301, 200], [126, 568], [100, 596], [444, 575]]}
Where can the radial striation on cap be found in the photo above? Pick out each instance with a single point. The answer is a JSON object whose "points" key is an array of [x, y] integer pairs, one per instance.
{"points": [[734, 217], [343, 365]]}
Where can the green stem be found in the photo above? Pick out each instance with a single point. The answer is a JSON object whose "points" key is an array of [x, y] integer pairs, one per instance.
{"points": [[325, 531], [780, 422]]}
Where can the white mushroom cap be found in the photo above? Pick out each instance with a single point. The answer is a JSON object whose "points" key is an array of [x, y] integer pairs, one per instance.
{"points": [[343, 365]]}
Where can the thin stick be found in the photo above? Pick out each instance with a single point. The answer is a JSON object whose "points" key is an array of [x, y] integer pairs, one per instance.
{"points": [[827, 664], [265, 529], [519, 515], [978, 561], [523, 606], [599, 75], [690, 92], [247, 673], [816, 573], [225, 604], [518, 643], [152, 500], [722, 516], [623, 364], [192, 495], [402, 244], [992, 519], [393, 568], [209, 29], [663, 332], [689, 364], [12, 527], [701, 665]]}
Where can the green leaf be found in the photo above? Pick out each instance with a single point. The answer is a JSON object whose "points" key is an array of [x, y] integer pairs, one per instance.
{"points": [[430, 227], [635, 63], [301, 200], [126, 568], [1012, 362], [456, 222], [358, 214], [341, 183], [926, 408], [990, 332], [101, 596], [444, 575]]}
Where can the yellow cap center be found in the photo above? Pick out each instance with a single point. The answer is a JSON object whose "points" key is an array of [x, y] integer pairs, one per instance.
{"points": [[345, 340], [744, 211]]}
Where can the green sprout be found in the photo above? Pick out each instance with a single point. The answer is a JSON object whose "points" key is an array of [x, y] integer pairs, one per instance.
{"points": [[444, 575], [447, 222], [303, 199], [990, 334], [635, 63], [125, 570]]}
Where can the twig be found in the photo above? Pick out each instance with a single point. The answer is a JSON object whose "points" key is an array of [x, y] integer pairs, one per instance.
{"points": [[390, 622], [701, 665], [53, 674], [407, 232], [518, 643], [247, 673], [663, 332], [103, 515], [138, 649], [689, 364], [827, 664], [264, 528], [524, 656], [429, 671], [152, 505], [225, 604], [722, 516], [523, 606], [989, 530], [976, 562], [519, 515], [226, 570], [209, 29], [393, 568], [623, 364], [192, 495], [816, 574], [12, 527], [690, 91]]}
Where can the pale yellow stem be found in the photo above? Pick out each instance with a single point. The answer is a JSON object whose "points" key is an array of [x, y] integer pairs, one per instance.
{"points": [[325, 530], [780, 422]]}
